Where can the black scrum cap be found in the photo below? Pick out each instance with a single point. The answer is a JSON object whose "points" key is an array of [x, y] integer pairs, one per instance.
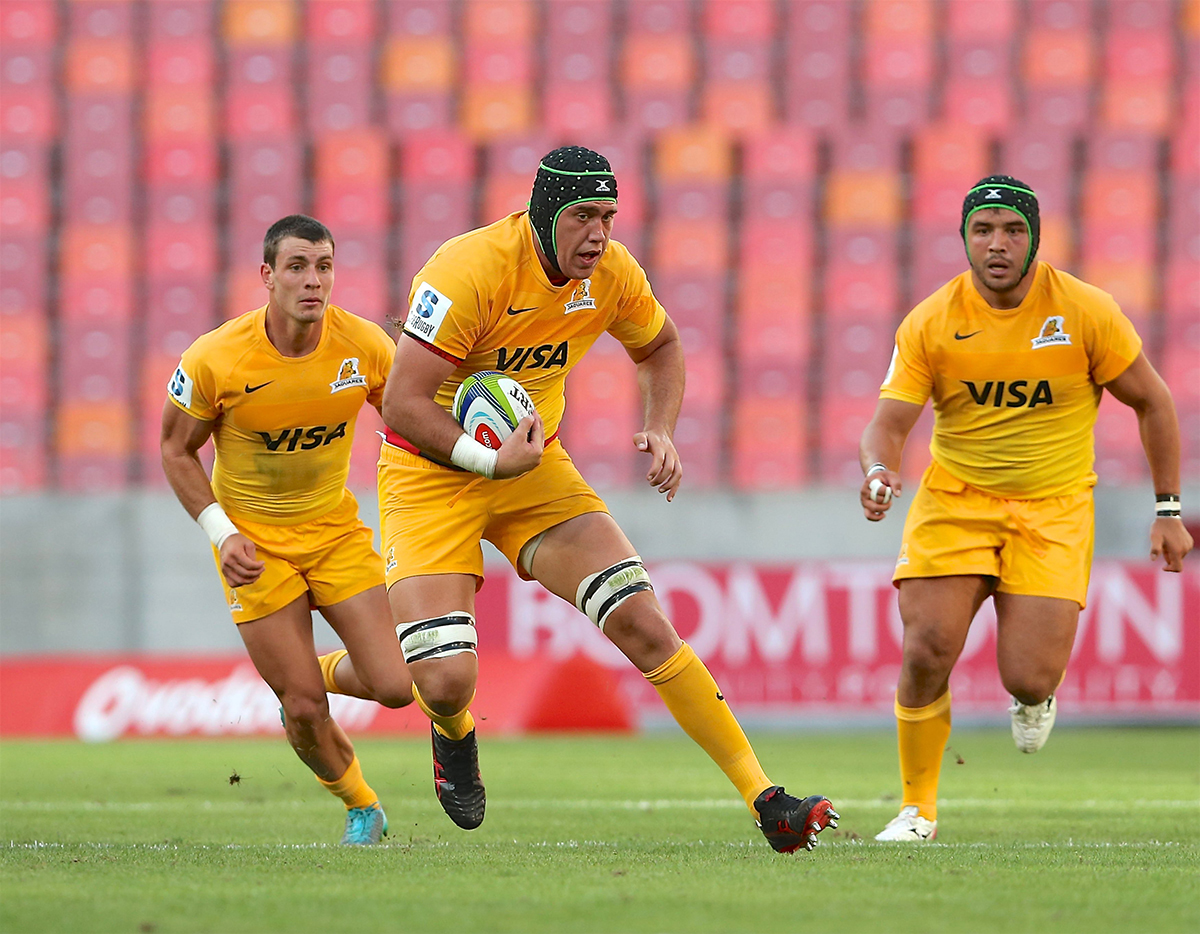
{"points": [[1004, 191], [566, 176]]}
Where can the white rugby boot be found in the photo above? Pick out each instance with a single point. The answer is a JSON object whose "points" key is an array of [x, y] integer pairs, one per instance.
{"points": [[1031, 725], [908, 827]]}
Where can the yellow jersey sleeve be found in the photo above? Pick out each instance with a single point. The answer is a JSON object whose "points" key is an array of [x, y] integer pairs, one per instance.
{"points": [[194, 384], [382, 350], [1112, 342], [639, 316], [909, 376], [444, 310]]}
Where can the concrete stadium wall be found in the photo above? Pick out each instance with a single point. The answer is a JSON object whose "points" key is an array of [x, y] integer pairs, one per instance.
{"points": [[132, 572]]}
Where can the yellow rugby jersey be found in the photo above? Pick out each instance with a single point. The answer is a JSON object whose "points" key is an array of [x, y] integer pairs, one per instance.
{"points": [[1015, 392], [284, 425], [484, 300]]}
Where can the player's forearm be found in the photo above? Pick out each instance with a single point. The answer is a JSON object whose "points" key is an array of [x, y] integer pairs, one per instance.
{"points": [[1159, 428], [186, 475], [423, 423], [881, 444], [661, 379]]}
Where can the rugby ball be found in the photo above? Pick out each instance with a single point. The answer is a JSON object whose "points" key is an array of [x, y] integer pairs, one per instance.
{"points": [[489, 405]]}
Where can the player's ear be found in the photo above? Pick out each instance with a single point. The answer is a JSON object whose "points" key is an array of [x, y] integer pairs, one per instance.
{"points": [[268, 275]]}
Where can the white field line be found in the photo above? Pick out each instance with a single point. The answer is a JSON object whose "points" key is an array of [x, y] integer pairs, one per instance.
{"points": [[842, 804], [13, 845]]}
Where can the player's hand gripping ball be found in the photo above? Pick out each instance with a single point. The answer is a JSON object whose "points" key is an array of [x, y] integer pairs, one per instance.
{"points": [[489, 405], [875, 486]]}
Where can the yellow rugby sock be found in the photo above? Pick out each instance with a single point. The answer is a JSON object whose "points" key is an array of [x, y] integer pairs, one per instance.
{"points": [[922, 733], [696, 703], [352, 788], [456, 726], [329, 665]]}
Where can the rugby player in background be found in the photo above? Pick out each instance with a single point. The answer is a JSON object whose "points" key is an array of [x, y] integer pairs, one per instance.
{"points": [[278, 390], [1015, 355], [547, 278]]}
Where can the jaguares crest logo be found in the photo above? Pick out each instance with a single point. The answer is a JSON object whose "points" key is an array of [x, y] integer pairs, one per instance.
{"points": [[348, 376], [582, 297], [1052, 333]]}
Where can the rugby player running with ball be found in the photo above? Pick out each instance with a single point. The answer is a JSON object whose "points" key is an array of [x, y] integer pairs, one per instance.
{"points": [[550, 278]]}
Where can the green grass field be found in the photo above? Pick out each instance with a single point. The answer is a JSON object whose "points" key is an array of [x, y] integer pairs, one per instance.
{"points": [[1098, 832]]}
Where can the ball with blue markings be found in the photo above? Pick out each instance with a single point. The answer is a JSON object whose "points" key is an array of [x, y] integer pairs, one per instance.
{"points": [[489, 405]]}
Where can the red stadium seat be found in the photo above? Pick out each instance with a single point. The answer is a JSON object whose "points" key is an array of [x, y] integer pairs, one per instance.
{"points": [[571, 109], [769, 442], [97, 364], [23, 459], [855, 354], [182, 20], [96, 299], [340, 84], [24, 270], [32, 23], [181, 62], [993, 20], [739, 20], [842, 420], [419, 17], [28, 115], [491, 21], [266, 112], [93, 473], [578, 23], [340, 21], [444, 157]]}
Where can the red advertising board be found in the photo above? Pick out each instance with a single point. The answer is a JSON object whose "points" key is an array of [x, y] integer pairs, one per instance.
{"points": [[786, 643]]}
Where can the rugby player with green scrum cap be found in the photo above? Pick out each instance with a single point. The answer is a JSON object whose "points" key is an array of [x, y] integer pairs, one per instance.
{"points": [[1015, 355], [527, 296]]}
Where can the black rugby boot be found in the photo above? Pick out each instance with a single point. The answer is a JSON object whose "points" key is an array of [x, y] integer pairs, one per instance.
{"points": [[456, 778], [789, 823]]}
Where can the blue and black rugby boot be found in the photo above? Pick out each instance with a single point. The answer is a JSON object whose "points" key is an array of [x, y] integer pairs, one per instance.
{"points": [[456, 778], [789, 823]]}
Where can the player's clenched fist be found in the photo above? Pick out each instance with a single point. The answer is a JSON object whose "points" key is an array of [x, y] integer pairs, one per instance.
{"points": [[239, 561], [522, 450], [878, 490]]}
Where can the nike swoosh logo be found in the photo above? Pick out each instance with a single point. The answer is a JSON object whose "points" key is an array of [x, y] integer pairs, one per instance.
{"points": [[250, 389], [520, 311], [963, 337]]}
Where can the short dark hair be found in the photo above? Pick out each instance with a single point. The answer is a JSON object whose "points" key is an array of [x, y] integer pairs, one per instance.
{"points": [[294, 225]]}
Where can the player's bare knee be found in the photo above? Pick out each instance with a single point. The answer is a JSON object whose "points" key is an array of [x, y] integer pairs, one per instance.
{"points": [[928, 654], [392, 691], [640, 626], [446, 685], [1030, 687], [302, 708]]}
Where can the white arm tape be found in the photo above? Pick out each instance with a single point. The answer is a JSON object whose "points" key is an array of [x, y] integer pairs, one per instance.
{"points": [[216, 524], [874, 467], [470, 455]]}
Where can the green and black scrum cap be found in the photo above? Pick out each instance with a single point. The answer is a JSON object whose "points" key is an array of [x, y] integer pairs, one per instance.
{"points": [[1004, 191], [566, 176]]}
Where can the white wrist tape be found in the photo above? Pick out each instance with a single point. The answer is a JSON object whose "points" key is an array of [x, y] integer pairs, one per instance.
{"points": [[213, 520], [874, 467], [470, 455]]}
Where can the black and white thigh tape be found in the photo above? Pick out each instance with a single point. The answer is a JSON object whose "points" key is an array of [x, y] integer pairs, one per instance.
{"points": [[438, 637], [600, 594]]}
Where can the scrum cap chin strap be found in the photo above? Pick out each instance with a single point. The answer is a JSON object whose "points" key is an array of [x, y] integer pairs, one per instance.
{"points": [[566, 176], [1004, 191]]}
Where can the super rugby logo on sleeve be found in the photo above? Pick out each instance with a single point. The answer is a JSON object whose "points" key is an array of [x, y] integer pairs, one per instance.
{"points": [[427, 312], [348, 376], [180, 387]]}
